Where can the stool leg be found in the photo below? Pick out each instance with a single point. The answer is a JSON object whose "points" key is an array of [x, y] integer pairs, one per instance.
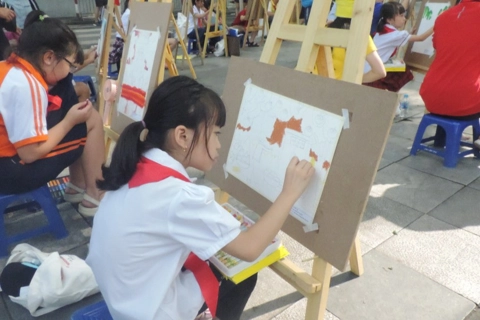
{"points": [[476, 134], [418, 137], [452, 147], [56, 225], [3, 232]]}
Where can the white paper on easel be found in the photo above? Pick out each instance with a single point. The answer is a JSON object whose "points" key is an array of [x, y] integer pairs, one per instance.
{"points": [[270, 130], [430, 14], [138, 72]]}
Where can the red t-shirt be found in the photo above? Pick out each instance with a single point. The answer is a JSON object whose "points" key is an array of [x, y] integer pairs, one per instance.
{"points": [[238, 22], [452, 84]]}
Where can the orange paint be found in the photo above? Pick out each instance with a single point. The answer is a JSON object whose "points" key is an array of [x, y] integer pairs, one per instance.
{"points": [[240, 127], [326, 165], [313, 155], [279, 129]]}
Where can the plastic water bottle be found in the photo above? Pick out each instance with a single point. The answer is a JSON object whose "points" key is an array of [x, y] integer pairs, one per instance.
{"points": [[404, 106]]}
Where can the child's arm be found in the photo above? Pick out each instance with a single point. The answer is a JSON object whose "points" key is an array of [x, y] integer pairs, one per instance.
{"points": [[77, 114], [421, 37], [377, 68], [250, 244], [201, 15]]}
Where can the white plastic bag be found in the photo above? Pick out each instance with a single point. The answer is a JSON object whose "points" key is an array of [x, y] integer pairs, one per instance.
{"points": [[59, 280], [219, 48], [182, 26]]}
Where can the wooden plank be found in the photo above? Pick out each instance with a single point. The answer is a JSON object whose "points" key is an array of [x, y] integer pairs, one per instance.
{"points": [[297, 277]]}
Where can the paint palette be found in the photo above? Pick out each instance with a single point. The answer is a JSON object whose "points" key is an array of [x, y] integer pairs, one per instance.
{"points": [[230, 265], [57, 188]]}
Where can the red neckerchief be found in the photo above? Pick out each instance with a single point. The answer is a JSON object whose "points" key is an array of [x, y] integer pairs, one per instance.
{"points": [[388, 30], [149, 171], [54, 103]]}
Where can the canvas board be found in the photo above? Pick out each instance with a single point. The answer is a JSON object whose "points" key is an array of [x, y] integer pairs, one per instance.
{"points": [[355, 160], [271, 129], [143, 52], [421, 54]]}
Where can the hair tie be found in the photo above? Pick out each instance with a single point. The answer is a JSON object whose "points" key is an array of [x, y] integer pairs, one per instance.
{"points": [[41, 17], [144, 132]]}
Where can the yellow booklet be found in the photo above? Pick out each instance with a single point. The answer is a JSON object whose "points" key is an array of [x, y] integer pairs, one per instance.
{"points": [[395, 65], [238, 270]]}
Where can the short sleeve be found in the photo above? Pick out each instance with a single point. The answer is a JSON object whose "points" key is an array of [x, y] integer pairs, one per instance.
{"points": [[200, 223], [370, 46], [23, 106]]}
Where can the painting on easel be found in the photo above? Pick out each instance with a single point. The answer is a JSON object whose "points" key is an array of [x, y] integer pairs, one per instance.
{"points": [[138, 72], [420, 55], [270, 130], [430, 14]]}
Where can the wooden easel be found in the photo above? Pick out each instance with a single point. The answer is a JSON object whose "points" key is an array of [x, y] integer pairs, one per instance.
{"points": [[187, 10], [114, 20], [220, 7], [166, 61], [257, 9], [169, 59], [315, 57]]}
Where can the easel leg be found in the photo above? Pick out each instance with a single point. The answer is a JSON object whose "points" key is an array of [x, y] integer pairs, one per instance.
{"points": [[317, 302], [356, 260]]}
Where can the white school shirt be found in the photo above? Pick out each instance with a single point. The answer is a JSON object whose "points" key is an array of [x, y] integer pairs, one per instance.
{"points": [[190, 19], [141, 238], [387, 43], [125, 17], [23, 104]]}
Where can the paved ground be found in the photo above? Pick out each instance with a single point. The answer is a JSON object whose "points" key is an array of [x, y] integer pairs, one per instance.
{"points": [[420, 234]]}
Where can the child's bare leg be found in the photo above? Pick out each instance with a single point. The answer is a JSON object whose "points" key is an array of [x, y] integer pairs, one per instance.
{"points": [[93, 157], [77, 177], [82, 90]]}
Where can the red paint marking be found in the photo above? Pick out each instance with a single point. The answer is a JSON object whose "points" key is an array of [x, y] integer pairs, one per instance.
{"points": [[240, 127], [326, 165]]}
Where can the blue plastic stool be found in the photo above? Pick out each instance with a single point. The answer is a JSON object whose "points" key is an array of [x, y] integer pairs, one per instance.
{"points": [[190, 44], [89, 81], [45, 200], [97, 311], [454, 129]]}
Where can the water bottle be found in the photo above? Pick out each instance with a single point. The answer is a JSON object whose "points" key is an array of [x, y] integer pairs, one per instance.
{"points": [[404, 106]]}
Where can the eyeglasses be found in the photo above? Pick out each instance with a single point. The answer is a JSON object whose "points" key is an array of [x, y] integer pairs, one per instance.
{"points": [[73, 67]]}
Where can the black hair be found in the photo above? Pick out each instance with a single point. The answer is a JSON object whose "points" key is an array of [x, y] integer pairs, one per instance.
{"points": [[125, 6], [389, 10], [42, 34], [176, 101]]}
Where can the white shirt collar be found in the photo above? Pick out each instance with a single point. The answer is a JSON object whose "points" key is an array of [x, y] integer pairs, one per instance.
{"points": [[163, 158]]}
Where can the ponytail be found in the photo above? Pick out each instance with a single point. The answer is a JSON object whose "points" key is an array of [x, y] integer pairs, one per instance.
{"points": [[125, 157], [176, 101]]}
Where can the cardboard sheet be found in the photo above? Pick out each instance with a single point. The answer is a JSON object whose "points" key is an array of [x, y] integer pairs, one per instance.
{"points": [[154, 18], [354, 165]]}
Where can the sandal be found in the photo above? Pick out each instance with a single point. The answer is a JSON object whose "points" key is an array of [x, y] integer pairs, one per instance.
{"points": [[86, 211], [73, 197], [252, 44]]}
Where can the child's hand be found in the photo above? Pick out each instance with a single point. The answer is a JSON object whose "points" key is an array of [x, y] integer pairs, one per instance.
{"points": [[79, 112], [7, 14], [297, 177]]}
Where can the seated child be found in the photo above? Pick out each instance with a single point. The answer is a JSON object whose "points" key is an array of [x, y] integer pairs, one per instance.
{"points": [[387, 40], [240, 23], [40, 133], [154, 223]]}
